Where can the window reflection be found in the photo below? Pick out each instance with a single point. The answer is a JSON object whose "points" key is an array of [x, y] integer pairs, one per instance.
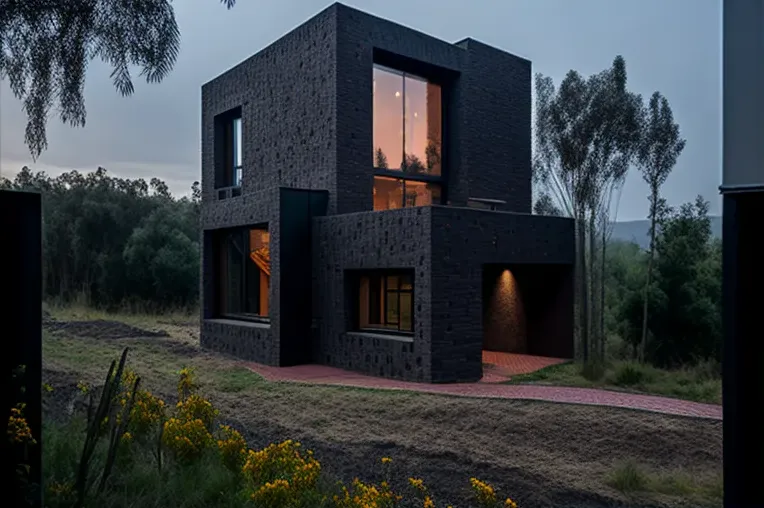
{"points": [[391, 193], [388, 193], [407, 123], [388, 120], [421, 193]]}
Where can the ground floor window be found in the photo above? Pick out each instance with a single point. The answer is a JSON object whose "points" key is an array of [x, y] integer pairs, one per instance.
{"points": [[244, 272], [386, 301]]}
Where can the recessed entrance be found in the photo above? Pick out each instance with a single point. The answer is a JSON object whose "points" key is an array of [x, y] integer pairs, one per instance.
{"points": [[528, 309]]}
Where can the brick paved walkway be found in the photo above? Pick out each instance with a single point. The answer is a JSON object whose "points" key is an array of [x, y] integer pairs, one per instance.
{"points": [[498, 367], [489, 388]]}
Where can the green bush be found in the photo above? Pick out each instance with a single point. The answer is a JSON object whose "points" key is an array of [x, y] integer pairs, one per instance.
{"points": [[632, 374]]}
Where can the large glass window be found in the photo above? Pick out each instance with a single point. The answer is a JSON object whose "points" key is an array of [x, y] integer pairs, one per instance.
{"points": [[407, 139], [244, 272], [386, 302]]}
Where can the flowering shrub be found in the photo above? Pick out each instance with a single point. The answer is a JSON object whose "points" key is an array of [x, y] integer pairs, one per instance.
{"points": [[186, 439], [196, 407], [186, 383], [147, 414], [232, 448], [362, 495], [273, 494], [282, 461], [18, 428]]}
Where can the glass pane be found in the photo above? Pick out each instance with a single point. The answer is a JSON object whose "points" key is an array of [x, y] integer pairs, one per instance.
{"points": [[433, 147], [415, 125], [422, 193], [237, 176], [237, 142], [391, 317], [392, 282], [234, 283], [406, 284], [388, 118], [407, 309], [388, 193]]}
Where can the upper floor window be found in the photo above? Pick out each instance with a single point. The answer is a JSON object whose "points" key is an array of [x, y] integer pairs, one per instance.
{"points": [[407, 140], [228, 149]]}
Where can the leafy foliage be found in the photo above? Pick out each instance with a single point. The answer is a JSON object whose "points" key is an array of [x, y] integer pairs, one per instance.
{"points": [[115, 240], [685, 294], [46, 45]]}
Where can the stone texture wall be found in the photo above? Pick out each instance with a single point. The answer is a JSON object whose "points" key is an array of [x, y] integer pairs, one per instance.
{"points": [[495, 126], [248, 341], [398, 239], [463, 241], [246, 210]]}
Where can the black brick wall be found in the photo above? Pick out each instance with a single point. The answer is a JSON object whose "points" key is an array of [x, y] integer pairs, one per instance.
{"points": [[463, 241], [371, 240], [495, 126], [287, 93]]}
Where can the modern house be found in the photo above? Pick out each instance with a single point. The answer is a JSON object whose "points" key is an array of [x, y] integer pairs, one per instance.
{"points": [[367, 205]]}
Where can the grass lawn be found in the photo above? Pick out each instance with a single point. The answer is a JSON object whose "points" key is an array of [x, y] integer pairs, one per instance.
{"points": [[540, 454], [700, 384]]}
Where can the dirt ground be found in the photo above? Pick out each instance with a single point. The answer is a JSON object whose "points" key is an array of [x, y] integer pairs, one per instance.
{"points": [[540, 454]]}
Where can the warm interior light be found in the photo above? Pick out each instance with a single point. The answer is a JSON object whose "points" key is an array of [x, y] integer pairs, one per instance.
{"points": [[415, 114], [397, 94]]}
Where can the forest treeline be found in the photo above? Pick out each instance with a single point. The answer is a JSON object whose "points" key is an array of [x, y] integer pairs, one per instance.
{"points": [[121, 243], [115, 242]]}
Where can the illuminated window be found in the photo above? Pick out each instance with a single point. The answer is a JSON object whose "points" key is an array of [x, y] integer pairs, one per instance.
{"points": [[244, 264], [386, 302], [407, 139]]}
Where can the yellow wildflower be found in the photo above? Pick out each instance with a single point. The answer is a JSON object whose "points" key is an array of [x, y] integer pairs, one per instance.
{"points": [[48, 388], [386, 460]]}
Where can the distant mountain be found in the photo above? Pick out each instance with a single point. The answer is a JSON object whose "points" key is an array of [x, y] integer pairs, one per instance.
{"points": [[638, 231]]}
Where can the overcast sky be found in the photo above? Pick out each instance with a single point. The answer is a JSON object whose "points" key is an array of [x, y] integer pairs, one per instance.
{"points": [[672, 46]]}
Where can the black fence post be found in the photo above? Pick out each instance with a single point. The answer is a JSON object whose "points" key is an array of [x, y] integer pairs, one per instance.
{"points": [[21, 318]]}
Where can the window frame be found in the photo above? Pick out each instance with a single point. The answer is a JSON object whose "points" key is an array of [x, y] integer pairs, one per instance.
{"points": [[383, 276], [229, 134], [224, 236], [401, 174]]}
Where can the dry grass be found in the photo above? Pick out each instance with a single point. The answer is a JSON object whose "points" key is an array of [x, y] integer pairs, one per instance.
{"points": [[542, 454]]}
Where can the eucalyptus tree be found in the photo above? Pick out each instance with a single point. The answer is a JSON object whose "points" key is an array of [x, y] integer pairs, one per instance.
{"points": [[46, 45], [586, 135], [660, 147]]}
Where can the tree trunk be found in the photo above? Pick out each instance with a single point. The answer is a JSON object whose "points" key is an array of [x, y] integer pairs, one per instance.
{"points": [[593, 318], [645, 296], [602, 291], [583, 293]]}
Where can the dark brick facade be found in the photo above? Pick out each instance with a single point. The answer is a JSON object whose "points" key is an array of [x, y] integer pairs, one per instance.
{"points": [[306, 108]]}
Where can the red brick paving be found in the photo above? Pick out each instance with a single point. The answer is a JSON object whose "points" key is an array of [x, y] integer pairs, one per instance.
{"points": [[499, 366], [489, 387]]}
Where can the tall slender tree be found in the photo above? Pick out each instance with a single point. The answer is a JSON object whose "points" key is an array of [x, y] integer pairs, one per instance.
{"points": [[586, 134], [45, 47], [660, 147]]}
